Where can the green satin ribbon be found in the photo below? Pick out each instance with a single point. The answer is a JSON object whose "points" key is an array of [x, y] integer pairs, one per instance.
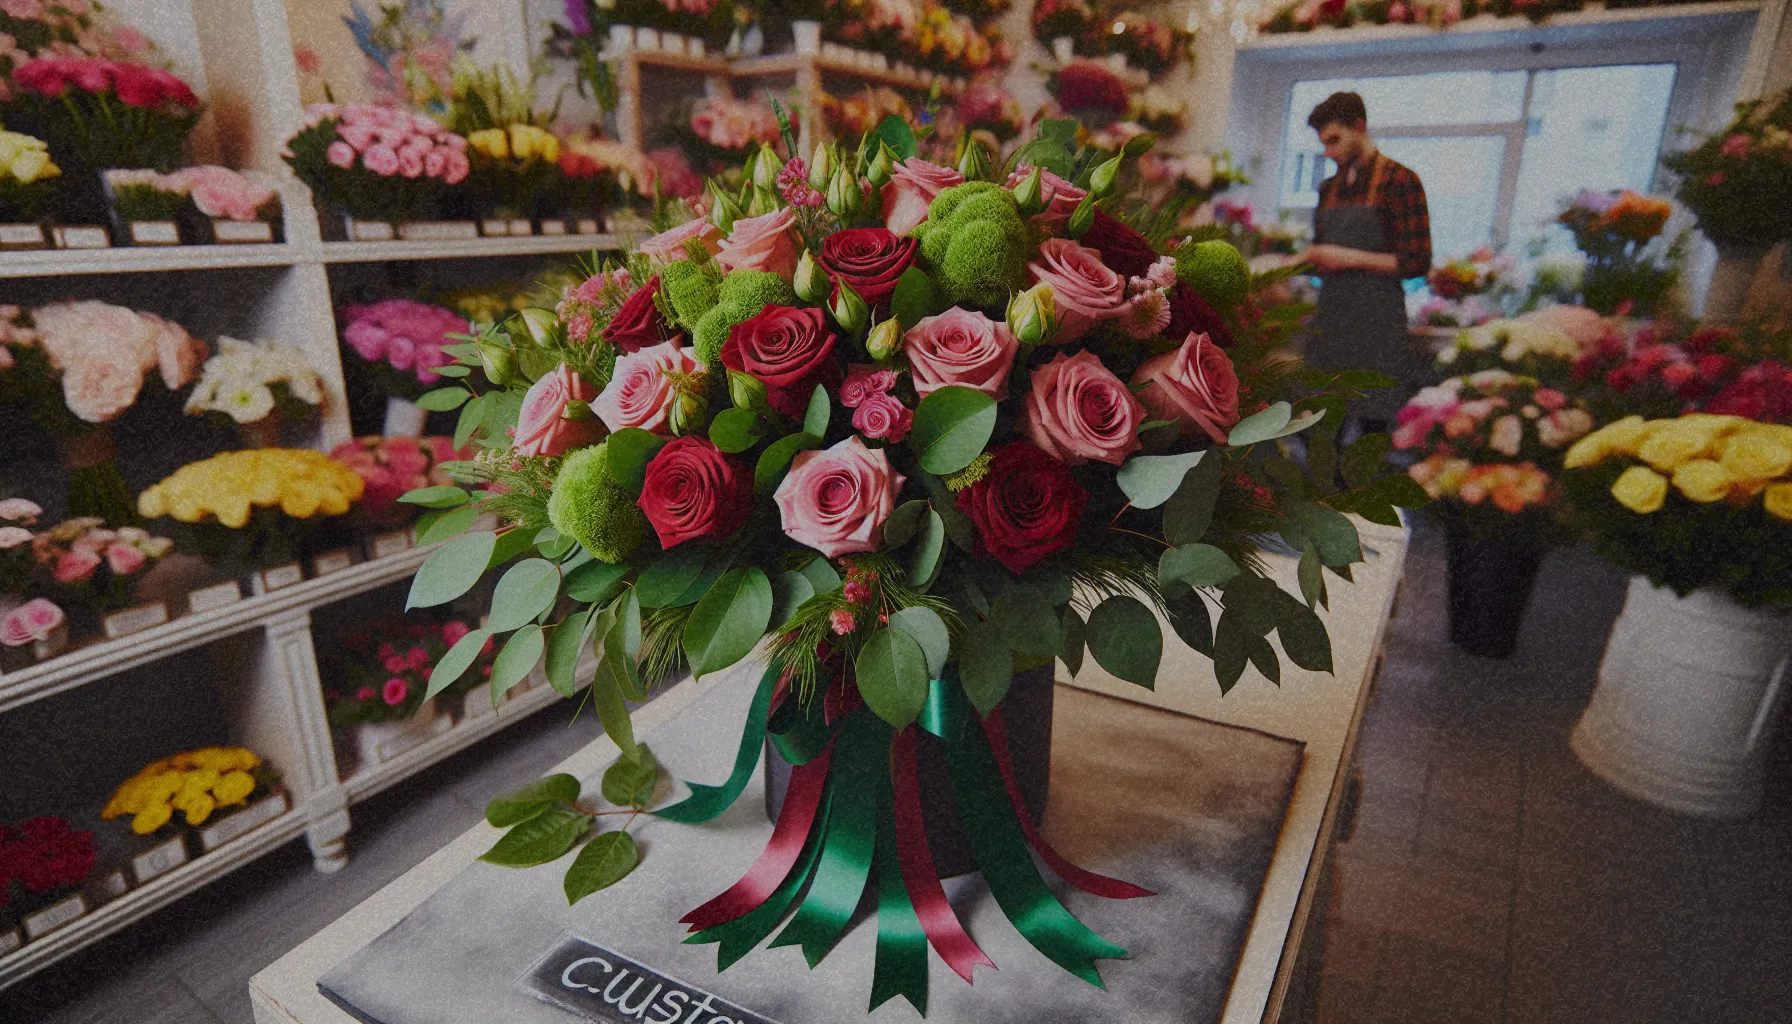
{"points": [[799, 730], [901, 968], [942, 715], [708, 802], [861, 753], [1001, 851], [739, 936]]}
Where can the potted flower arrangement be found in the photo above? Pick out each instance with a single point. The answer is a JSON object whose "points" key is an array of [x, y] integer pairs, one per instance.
{"points": [[260, 386], [79, 365], [379, 165], [204, 786], [43, 863], [513, 167], [1738, 183], [599, 174], [390, 467], [1625, 273], [1089, 92], [1491, 445], [722, 130], [1467, 291], [918, 465], [256, 509], [147, 205], [380, 677], [90, 569], [401, 344], [1146, 43], [234, 206], [37, 624], [28, 187]]}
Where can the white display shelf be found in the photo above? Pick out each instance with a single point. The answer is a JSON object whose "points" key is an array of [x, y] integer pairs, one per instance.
{"points": [[791, 63], [95, 661], [472, 248], [148, 897], [149, 258], [1375, 35], [466, 732]]}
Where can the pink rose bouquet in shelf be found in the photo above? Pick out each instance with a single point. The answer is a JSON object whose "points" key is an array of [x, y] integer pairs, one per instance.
{"points": [[390, 466], [375, 162], [98, 113], [721, 129], [404, 340], [381, 673], [83, 563]]}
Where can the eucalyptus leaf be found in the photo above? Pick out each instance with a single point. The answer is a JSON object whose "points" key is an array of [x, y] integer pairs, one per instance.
{"points": [[900, 528], [435, 527], [472, 417], [456, 661], [526, 590], [451, 570], [1261, 426], [1024, 616], [669, 576], [627, 452], [1229, 652], [1189, 511], [1328, 529], [790, 590], [1075, 637], [538, 840], [594, 581], [443, 399], [606, 698], [1191, 620], [606, 859], [1303, 635], [435, 497], [815, 419], [1126, 640], [1363, 460], [517, 659], [914, 299], [891, 672], [511, 543], [924, 626], [729, 621], [985, 666], [821, 575], [735, 430], [1312, 577], [1196, 565], [566, 641], [1149, 480], [924, 557], [951, 427], [1263, 656]]}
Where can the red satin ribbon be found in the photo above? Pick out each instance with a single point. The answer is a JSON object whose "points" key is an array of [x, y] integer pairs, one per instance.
{"points": [[918, 874], [801, 801], [1088, 881]]}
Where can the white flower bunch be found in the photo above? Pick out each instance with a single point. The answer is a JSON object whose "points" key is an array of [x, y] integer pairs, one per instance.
{"points": [[248, 380]]}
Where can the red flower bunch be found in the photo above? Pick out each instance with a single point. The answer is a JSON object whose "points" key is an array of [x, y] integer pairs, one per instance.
{"points": [[1714, 369], [136, 85], [43, 854], [98, 113], [1085, 86], [1762, 392], [387, 668]]}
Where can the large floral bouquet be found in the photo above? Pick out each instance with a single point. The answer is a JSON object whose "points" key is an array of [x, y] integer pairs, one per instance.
{"points": [[1491, 446], [390, 467], [98, 113], [1738, 182], [403, 341], [903, 434], [1667, 370], [376, 163]]}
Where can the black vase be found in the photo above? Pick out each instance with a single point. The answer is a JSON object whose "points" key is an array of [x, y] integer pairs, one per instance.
{"points": [[1490, 586], [1027, 717]]}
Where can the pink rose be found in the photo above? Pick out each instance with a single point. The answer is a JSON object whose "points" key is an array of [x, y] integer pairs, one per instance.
{"points": [[453, 631], [435, 163], [30, 622], [1087, 292], [179, 355], [395, 691], [457, 164], [15, 510], [381, 160], [1078, 411], [669, 246], [410, 163], [1063, 198], [364, 693], [13, 536], [641, 393], [341, 154], [125, 559], [75, 566], [401, 352], [864, 382], [883, 417], [913, 185], [542, 427], [960, 347], [100, 387], [1195, 386], [836, 500], [762, 243]]}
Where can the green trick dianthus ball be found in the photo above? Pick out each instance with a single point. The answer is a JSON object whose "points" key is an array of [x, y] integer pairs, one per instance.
{"points": [[974, 244], [1216, 271], [742, 296], [590, 507], [693, 292]]}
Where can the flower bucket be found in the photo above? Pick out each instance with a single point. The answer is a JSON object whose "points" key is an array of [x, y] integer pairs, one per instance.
{"points": [[1730, 280], [1490, 586], [96, 485], [378, 742], [1028, 713], [1688, 699], [263, 433]]}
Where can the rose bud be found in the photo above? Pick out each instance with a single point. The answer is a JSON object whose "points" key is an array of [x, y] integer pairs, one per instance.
{"points": [[498, 362], [724, 211], [541, 324], [1102, 179], [885, 340], [879, 171], [849, 309], [765, 172], [974, 162], [745, 390], [821, 168], [1029, 195], [811, 282], [1032, 315], [764, 202], [844, 195], [690, 413], [1082, 218]]}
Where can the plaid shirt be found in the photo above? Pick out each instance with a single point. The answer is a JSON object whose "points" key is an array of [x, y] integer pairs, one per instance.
{"points": [[1405, 218]]}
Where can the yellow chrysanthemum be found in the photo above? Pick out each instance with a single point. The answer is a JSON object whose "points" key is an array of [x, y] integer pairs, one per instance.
{"points": [[151, 504], [300, 499], [1621, 437], [1779, 501], [332, 502], [1641, 489], [1672, 443], [1755, 455], [233, 788], [1703, 480], [151, 818], [197, 808]]}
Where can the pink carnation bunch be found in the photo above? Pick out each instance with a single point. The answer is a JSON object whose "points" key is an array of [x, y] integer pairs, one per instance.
{"points": [[390, 466], [407, 336]]}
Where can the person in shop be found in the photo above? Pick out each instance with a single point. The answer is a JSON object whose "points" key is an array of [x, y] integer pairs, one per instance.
{"points": [[1371, 231]]}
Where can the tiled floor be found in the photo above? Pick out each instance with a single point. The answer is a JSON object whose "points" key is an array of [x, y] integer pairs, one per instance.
{"points": [[1490, 877]]}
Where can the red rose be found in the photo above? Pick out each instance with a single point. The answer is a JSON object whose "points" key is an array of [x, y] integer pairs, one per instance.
{"points": [[788, 351], [693, 491], [638, 323], [869, 259], [1125, 251], [1086, 86], [1026, 507], [1190, 314]]}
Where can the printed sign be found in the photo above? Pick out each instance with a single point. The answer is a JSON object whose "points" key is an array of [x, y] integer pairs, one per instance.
{"points": [[438, 230], [10, 940], [587, 226], [553, 227], [55, 916], [251, 817], [603, 985], [386, 545], [160, 860], [21, 236], [215, 596], [82, 238], [269, 580], [237, 231], [369, 231], [332, 561], [134, 620], [154, 232], [522, 226], [495, 227]]}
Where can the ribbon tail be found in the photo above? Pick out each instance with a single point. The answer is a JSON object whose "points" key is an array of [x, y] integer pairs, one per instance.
{"points": [[916, 863], [849, 844], [1088, 881], [1001, 849], [795, 822], [738, 937], [708, 802], [901, 966]]}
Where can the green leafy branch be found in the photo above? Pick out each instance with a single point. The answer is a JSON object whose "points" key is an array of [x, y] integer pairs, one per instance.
{"points": [[545, 819]]}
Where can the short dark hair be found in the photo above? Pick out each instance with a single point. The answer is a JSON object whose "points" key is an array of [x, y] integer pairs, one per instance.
{"points": [[1345, 108]]}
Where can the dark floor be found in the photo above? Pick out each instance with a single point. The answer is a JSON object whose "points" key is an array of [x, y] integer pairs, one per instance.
{"points": [[1490, 877]]}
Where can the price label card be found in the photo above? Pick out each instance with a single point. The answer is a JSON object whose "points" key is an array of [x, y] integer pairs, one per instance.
{"points": [[369, 231], [55, 916], [10, 939], [438, 231], [332, 561], [159, 860], [385, 545], [238, 231], [553, 227], [215, 596], [82, 238], [588, 226], [494, 227], [587, 979], [269, 580], [134, 620], [235, 825], [521, 227], [414, 737], [154, 232], [115, 885], [22, 236]]}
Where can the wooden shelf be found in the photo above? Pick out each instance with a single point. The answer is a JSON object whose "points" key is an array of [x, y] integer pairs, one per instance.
{"points": [[791, 63], [464, 733], [472, 248], [1331, 38], [676, 61], [84, 664], [137, 259], [149, 897]]}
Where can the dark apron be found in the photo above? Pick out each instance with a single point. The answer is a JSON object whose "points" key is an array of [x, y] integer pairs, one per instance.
{"points": [[1361, 323]]}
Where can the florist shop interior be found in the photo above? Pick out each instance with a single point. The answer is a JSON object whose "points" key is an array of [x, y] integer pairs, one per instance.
{"points": [[718, 511]]}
